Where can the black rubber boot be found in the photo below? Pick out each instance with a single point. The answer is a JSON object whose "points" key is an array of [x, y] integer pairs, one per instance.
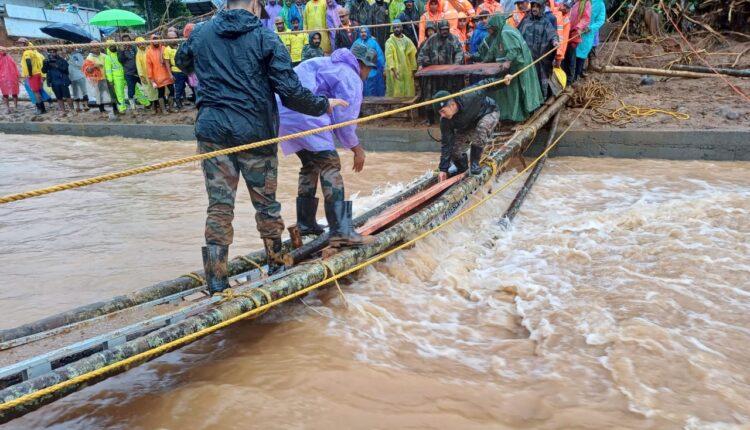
{"points": [[341, 229], [215, 267], [274, 259], [476, 156], [40, 108], [461, 163], [307, 207]]}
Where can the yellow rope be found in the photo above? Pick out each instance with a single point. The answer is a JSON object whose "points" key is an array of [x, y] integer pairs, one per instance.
{"points": [[252, 263], [230, 294], [199, 157], [630, 111], [327, 267], [597, 95], [169, 346], [493, 166], [195, 276]]}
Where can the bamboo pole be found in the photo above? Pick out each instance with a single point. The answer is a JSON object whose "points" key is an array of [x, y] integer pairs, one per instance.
{"points": [[454, 197], [743, 73], [144, 295], [515, 205], [184, 283], [656, 72]]}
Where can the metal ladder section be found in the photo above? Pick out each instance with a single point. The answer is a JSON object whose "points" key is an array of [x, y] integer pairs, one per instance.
{"points": [[41, 364]]}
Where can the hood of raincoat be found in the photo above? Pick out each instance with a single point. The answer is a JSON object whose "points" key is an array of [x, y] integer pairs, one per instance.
{"points": [[345, 56], [336, 76], [439, 12], [367, 31], [310, 37], [497, 22], [234, 23]]}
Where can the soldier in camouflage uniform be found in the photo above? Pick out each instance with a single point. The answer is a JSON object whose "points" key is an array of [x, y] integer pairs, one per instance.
{"points": [[321, 165], [240, 65], [466, 120], [222, 175], [441, 48]]}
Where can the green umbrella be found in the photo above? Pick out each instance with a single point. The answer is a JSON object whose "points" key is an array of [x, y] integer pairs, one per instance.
{"points": [[116, 18]]}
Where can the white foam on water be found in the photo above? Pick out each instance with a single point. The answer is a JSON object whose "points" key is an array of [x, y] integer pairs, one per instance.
{"points": [[615, 283]]}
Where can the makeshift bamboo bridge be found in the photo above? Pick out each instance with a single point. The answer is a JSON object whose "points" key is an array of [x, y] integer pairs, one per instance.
{"points": [[48, 359]]}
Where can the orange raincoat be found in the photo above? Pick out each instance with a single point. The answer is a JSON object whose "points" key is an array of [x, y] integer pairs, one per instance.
{"points": [[458, 6], [427, 16], [490, 6], [452, 18], [158, 68], [516, 17], [563, 29]]}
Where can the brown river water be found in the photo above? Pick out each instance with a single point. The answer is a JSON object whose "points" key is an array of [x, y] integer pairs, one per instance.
{"points": [[620, 298]]}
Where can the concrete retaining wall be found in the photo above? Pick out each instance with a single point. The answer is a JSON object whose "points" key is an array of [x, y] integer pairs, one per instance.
{"points": [[720, 145], [618, 143]]}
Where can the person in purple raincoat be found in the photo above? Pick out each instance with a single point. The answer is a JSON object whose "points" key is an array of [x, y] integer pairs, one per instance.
{"points": [[333, 20], [340, 76]]}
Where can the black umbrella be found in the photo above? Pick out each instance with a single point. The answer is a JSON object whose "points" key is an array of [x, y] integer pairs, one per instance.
{"points": [[69, 32]]}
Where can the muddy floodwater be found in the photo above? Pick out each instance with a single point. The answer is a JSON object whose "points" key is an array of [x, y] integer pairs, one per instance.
{"points": [[620, 298]]}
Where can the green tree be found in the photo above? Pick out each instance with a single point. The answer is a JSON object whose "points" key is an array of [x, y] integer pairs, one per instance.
{"points": [[157, 10]]}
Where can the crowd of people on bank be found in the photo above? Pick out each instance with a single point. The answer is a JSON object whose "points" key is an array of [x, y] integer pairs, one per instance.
{"points": [[406, 35], [121, 76], [410, 34]]}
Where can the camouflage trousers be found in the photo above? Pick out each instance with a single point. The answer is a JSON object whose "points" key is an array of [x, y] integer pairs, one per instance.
{"points": [[222, 175], [481, 135], [324, 166]]}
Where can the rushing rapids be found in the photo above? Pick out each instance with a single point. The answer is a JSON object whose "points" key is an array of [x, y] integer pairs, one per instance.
{"points": [[618, 298]]}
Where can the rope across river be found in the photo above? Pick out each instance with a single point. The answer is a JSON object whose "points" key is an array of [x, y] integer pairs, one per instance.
{"points": [[199, 157]]}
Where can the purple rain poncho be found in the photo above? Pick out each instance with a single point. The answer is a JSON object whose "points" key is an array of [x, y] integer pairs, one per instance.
{"points": [[336, 76]]}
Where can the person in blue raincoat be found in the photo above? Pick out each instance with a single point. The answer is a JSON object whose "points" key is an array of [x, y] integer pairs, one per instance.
{"points": [[598, 15], [375, 83], [289, 11]]}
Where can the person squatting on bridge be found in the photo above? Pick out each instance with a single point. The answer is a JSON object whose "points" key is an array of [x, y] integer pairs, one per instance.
{"points": [[466, 120], [339, 76], [240, 65]]}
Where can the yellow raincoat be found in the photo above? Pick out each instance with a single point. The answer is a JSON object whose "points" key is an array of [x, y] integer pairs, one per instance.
{"points": [[294, 43], [140, 63], [37, 60], [400, 55], [315, 19]]}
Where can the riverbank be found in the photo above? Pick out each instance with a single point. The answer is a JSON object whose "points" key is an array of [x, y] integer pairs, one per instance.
{"points": [[710, 103], [682, 144]]}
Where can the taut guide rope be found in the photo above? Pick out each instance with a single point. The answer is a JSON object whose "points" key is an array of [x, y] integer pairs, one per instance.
{"points": [[199, 157]]}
